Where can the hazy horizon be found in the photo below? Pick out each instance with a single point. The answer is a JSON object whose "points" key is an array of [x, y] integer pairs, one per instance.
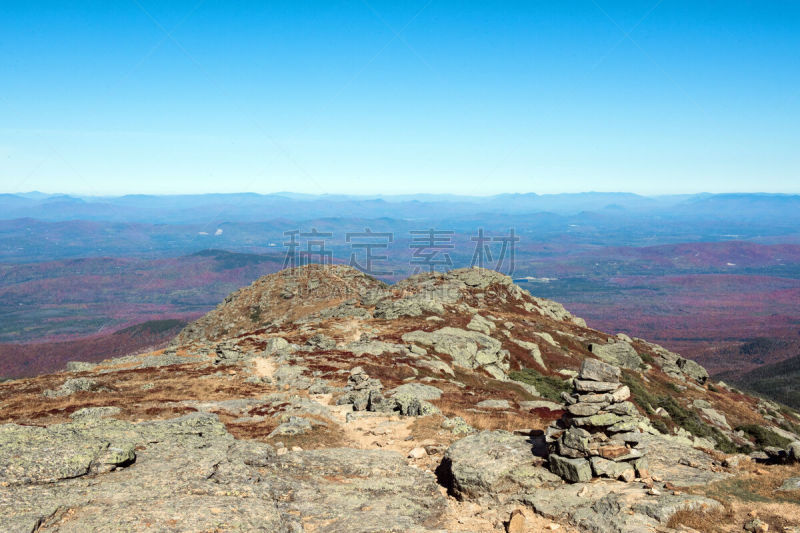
{"points": [[297, 194]]}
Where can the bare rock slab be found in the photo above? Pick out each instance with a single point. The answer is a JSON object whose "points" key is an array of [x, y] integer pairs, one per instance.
{"points": [[492, 465], [193, 469], [612, 506]]}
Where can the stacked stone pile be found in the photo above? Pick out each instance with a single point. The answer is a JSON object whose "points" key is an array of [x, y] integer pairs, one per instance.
{"points": [[586, 441]]}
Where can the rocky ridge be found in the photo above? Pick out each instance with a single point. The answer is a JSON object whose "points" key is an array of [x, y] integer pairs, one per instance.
{"points": [[320, 399]]}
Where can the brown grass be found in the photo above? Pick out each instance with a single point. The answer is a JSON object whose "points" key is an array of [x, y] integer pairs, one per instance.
{"points": [[726, 520], [506, 420], [753, 490], [170, 386], [755, 483], [430, 427], [706, 521]]}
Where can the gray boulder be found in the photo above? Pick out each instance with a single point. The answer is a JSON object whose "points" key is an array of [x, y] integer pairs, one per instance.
{"points": [[595, 386], [411, 405], [677, 366], [693, 370], [612, 469], [793, 451], [481, 324], [790, 484], [294, 425], [275, 344], [479, 278], [468, 349], [618, 353], [494, 404], [73, 385], [418, 390], [80, 366], [533, 350], [492, 466], [94, 412], [412, 306], [673, 458], [457, 426], [576, 470], [594, 370], [584, 409], [321, 342]]}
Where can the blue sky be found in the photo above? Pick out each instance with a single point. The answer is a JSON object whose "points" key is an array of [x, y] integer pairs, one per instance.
{"points": [[112, 97]]}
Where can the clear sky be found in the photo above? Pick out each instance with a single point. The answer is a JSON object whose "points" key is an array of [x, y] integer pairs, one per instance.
{"points": [[367, 96]]}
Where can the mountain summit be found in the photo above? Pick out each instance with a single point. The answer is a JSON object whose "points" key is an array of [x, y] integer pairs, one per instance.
{"points": [[321, 399]]}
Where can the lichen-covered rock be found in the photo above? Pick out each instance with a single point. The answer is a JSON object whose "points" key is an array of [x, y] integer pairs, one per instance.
{"points": [[95, 412], [790, 484], [365, 394], [613, 507], [275, 344], [675, 459], [418, 390], [294, 425], [191, 468], [80, 366], [412, 405], [693, 370], [575, 470], [677, 366], [31, 454], [533, 351], [481, 324], [479, 278], [612, 469], [618, 353], [492, 465], [457, 426], [372, 347], [493, 404], [412, 306], [595, 386], [553, 310], [716, 418], [468, 349], [793, 451], [73, 385], [584, 408], [594, 370]]}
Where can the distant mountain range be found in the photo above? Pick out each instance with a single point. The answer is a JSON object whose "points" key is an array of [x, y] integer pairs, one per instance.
{"points": [[248, 207]]}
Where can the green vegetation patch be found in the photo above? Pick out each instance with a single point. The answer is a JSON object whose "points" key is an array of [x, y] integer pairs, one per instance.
{"points": [[679, 415], [777, 381], [647, 358], [764, 436], [153, 327], [548, 386], [255, 314], [691, 422], [639, 393], [660, 425]]}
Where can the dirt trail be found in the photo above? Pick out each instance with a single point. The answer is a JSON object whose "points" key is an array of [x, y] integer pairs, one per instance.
{"points": [[264, 367]]}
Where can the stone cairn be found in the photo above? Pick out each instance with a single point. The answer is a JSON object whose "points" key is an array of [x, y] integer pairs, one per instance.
{"points": [[588, 440]]}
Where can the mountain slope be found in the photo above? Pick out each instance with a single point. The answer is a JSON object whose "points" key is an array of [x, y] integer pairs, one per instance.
{"points": [[778, 380], [319, 399]]}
